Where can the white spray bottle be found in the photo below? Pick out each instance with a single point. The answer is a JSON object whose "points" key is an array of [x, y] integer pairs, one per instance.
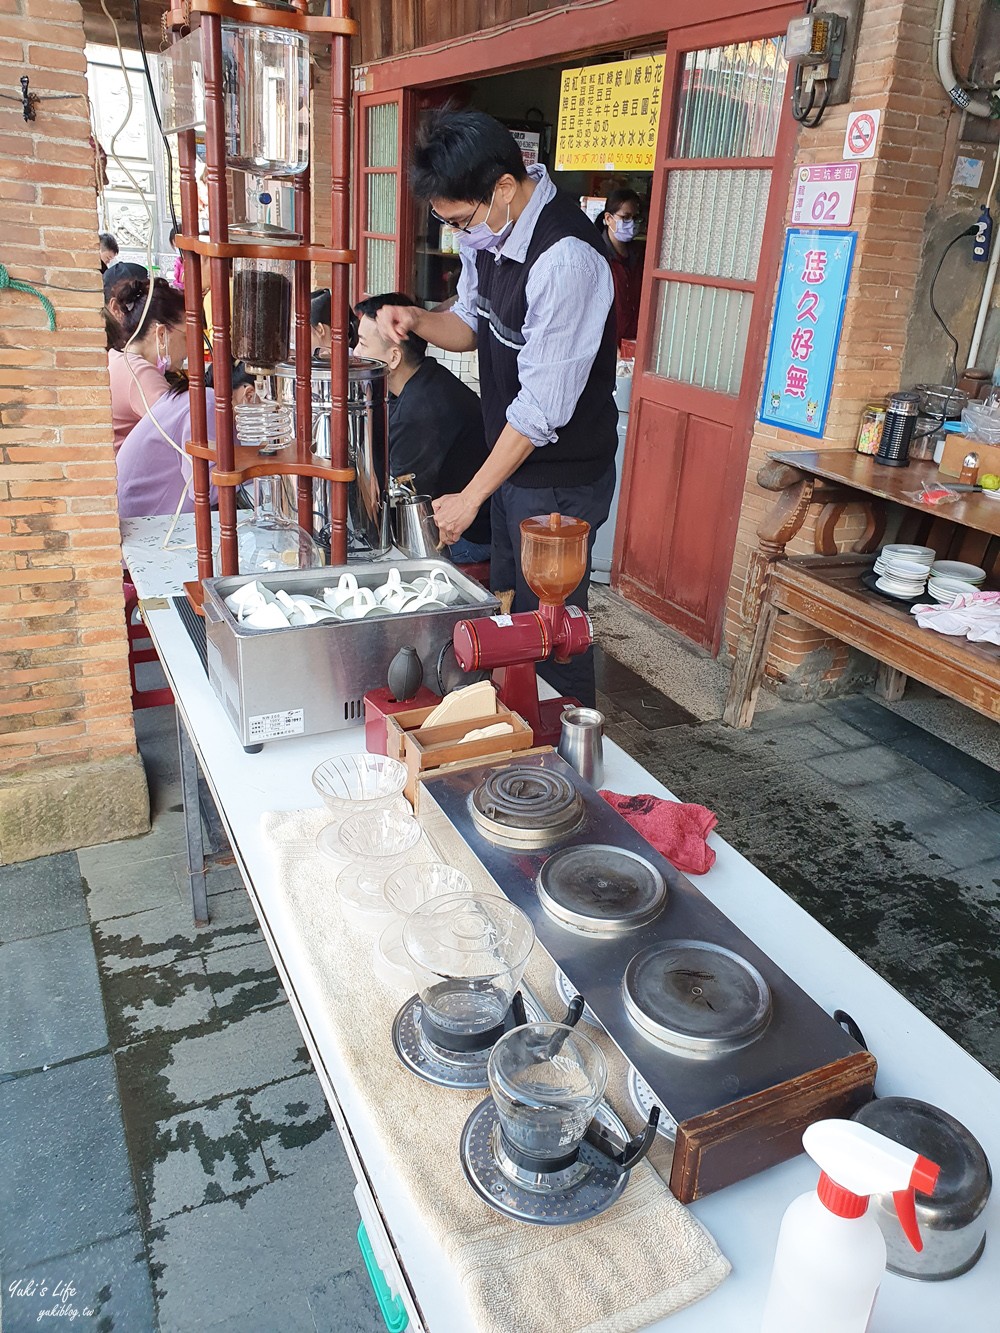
{"points": [[831, 1255]]}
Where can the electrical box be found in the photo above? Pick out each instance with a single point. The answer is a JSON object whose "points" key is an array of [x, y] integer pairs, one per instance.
{"points": [[817, 39]]}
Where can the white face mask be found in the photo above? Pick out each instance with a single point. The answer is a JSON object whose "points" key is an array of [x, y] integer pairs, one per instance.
{"points": [[624, 229], [482, 236]]}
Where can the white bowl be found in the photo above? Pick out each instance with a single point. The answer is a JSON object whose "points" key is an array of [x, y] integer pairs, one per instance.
{"points": [[351, 783], [910, 570]]}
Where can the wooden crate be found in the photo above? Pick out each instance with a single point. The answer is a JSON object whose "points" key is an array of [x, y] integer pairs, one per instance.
{"points": [[955, 449], [428, 749]]}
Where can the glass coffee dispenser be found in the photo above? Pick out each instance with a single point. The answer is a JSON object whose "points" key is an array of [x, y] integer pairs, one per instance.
{"points": [[467, 953], [266, 90]]}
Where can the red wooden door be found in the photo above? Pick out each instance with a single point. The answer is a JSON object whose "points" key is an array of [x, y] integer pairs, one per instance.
{"points": [[723, 158], [382, 200]]}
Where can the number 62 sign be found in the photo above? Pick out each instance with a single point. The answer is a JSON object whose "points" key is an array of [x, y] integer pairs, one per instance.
{"points": [[824, 195]]}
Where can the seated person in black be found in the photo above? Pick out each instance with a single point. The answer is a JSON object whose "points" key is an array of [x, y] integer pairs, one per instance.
{"points": [[435, 422]]}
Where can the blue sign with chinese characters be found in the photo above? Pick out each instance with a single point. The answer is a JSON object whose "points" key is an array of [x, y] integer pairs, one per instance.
{"points": [[805, 333]]}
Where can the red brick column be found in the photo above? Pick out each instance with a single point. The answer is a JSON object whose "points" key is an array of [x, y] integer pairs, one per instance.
{"points": [[69, 771]]}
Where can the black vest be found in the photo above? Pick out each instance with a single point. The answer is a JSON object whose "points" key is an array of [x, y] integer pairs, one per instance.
{"points": [[585, 446]]}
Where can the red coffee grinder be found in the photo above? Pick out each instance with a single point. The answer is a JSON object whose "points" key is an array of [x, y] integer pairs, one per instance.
{"points": [[554, 560]]}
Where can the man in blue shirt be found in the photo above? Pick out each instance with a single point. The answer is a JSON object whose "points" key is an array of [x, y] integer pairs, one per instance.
{"points": [[536, 297]]}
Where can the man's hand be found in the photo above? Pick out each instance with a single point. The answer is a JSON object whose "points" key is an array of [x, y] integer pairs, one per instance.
{"points": [[453, 514], [396, 321]]}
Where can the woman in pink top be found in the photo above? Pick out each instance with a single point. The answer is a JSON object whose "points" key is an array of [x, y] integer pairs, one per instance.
{"points": [[138, 376]]}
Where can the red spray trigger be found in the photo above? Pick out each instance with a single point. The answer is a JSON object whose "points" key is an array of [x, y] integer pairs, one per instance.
{"points": [[923, 1178]]}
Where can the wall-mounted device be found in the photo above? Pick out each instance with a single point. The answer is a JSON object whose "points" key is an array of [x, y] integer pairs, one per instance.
{"points": [[814, 44]]}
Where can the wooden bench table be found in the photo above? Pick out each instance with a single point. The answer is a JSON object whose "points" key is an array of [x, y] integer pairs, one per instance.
{"points": [[825, 589]]}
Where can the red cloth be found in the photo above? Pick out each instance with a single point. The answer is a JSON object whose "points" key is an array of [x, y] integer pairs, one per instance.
{"points": [[678, 832]]}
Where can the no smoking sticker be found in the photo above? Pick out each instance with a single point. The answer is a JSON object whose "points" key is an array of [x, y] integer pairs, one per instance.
{"points": [[862, 132]]}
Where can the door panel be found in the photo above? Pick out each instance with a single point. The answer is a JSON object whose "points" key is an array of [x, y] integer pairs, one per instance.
{"points": [[382, 200], [714, 235]]}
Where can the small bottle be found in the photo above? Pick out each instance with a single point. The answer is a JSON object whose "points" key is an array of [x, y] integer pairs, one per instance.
{"points": [[970, 470], [830, 1257]]}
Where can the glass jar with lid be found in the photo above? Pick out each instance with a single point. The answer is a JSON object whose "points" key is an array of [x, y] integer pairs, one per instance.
{"points": [[266, 93], [870, 427]]}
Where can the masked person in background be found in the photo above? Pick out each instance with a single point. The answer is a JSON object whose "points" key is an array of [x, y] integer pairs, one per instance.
{"points": [[159, 345], [435, 421], [154, 473], [536, 297], [617, 224]]}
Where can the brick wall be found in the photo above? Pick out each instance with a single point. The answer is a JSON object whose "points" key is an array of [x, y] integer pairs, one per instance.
{"points": [[69, 771], [895, 74]]}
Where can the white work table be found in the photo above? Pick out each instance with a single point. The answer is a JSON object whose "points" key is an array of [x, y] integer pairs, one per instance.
{"points": [[914, 1057]]}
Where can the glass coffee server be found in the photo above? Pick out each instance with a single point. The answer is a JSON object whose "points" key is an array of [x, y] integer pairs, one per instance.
{"points": [[240, 70]]}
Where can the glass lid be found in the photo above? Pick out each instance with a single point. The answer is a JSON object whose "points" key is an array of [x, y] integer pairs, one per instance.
{"points": [[600, 889], [696, 998]]}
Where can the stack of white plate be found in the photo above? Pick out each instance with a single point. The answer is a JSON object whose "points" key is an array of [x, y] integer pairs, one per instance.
{"points": [[952, 578], [902, 570]]}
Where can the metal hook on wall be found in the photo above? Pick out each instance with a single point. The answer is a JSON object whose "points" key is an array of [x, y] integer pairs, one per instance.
{"points": [[28, 100]]}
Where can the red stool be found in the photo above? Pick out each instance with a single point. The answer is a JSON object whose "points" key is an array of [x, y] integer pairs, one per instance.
{"points": [[137, 634], [480, 572]]}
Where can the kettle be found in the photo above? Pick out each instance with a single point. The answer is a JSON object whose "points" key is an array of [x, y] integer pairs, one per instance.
{"points": [[414, 530]]}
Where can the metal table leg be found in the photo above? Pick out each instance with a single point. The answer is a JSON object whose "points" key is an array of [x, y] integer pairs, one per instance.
{"points": [[192, 825]]}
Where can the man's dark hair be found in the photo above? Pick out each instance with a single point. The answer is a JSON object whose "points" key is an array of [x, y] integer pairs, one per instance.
{"points": [[461, 155], [319, 307], [107, 242], [239, 372], [414, 347]]}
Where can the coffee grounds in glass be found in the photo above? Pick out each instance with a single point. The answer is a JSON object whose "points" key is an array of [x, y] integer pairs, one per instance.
{"points": [[262, 315]]}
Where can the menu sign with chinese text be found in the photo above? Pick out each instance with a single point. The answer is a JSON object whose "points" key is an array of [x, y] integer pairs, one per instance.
{"points": [[805, 333], [608, 116]]}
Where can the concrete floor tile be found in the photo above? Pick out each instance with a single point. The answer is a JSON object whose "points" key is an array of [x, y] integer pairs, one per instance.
{"points": [[853, 768], [243, 978], [107, 1284], [64, 1170], [262, 1047], [118, 886], [41, 895], [145, 1001], [346, 1304], [204, 1155], [159, 935], [964, 837], [920, 800], [50, 999], [293, 1125], [240, 1260], [980, 1036]]}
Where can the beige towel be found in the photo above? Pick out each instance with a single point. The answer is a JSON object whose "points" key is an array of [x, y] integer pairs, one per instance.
{"points": [[602, 1276]]}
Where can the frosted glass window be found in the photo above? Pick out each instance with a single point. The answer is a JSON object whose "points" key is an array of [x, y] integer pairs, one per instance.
{"points": [[730, 100], [700, 335], [380, 266], [383, 135], [713, 222], [382, 202]]}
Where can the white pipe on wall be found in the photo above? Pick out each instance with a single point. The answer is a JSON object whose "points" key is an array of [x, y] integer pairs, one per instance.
{"points": [[975, 106]]}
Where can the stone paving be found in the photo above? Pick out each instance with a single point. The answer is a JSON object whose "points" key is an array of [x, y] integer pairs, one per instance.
{"points": [[167, 1150]]}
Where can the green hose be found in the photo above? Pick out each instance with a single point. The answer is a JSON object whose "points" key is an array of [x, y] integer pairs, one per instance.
{"points": [[15, 286]]}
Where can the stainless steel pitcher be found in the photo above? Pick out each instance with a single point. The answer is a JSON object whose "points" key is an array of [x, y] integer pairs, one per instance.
{"points": [[581, 743], [417, 533]]}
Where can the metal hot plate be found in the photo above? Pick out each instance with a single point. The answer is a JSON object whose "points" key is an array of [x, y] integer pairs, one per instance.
{"points": [[795, 1036], [600, 890], [522, 806], [695, 998]]}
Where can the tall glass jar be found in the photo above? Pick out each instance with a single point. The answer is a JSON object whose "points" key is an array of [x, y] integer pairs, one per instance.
{"points": [[266, 90], [262, 311]]}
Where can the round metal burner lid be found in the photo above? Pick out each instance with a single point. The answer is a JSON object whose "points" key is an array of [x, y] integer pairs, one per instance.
{"points": [[527, 805], [696, 998], [600, 889]]}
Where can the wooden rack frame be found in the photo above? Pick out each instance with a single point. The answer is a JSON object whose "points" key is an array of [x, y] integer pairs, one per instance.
{"points": [[225, 463]]}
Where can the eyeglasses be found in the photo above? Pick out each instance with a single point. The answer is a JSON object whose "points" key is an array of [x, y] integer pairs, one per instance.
{"points": [[459, 226]]}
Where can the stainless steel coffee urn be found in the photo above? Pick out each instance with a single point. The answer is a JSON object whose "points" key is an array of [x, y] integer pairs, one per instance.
{"points": [[367, 451]]}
